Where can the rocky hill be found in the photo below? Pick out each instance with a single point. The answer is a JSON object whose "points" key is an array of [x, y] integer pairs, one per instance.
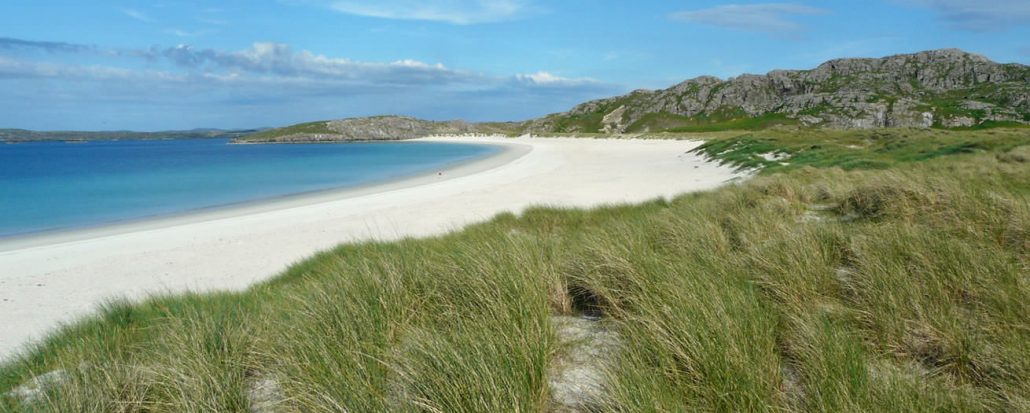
{"points": [[946, 88], [376, 128], [938, 88]]}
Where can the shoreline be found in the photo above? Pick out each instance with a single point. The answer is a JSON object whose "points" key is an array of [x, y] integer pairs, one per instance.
{"points": [[56, 280], [506, 153]]}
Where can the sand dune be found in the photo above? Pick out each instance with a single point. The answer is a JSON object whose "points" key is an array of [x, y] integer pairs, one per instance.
{"points": [[47, 280]]}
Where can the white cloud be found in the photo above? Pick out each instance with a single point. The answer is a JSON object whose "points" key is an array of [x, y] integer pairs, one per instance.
{"points": [[979, 15], [542, 78], [52, 47], [769, 17], [187, 33], [447, 11], [261, 59], [138, 15], [281, 60], [278, 66], [287, 85], [13, 68]]}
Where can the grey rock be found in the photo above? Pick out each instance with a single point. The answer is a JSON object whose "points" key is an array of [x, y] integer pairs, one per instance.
{"points": [[960, 121], [613, 121], [33, 389], [911, 90]]}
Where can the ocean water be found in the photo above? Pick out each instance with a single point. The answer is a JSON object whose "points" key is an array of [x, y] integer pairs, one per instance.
{"points": [[55, 185]]}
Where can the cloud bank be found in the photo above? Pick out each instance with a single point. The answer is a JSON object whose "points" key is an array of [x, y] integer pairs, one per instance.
{"points": [[461, 12], [770, 17], [293, 85], [980, 15]]}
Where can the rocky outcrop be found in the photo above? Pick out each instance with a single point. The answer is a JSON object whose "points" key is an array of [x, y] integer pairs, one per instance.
{"points": [[933, 88]]}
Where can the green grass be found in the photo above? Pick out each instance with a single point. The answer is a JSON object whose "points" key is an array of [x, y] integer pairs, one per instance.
{"points": [[584, 123], [900, 285], [724, 120], [992, 124], [853, 149]]}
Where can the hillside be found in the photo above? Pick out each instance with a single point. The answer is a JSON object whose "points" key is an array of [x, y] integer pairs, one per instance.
{"points": [[372, 128], [940, 88]]}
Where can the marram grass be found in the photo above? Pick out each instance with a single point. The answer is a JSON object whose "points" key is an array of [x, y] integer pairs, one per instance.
{"points": [[816, 289]]}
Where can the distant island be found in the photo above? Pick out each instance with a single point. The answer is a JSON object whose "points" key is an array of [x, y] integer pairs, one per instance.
{"points": [[946, 89], [23, 135]]}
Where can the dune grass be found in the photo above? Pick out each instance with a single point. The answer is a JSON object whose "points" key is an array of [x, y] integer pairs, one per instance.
{"points": [[852, 149], [820, 288]]}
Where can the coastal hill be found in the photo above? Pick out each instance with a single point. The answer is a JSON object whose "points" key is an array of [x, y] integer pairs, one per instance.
{"points": [[938, 88], [374, 128], [946, 88]]}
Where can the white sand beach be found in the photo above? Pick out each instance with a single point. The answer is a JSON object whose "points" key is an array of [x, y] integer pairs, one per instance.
{"points": [[57, 278]]}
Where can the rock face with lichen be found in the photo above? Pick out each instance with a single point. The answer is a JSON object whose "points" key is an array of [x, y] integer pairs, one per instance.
{"points": [[942, 88]]}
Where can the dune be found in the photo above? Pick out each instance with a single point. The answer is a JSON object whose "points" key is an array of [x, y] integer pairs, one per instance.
{"points": [[57, 278]]}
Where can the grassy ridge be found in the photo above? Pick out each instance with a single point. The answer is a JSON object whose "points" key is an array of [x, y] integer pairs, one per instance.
{"points": [[892, 286], [313, 128]]}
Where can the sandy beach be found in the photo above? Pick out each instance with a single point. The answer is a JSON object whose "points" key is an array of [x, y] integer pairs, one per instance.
{"points": [[57, 278]]}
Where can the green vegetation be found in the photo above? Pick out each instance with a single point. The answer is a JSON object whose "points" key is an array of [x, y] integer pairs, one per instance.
{"points": [[853, 149], [738, 122], [721, 121], [724, 120], [377, 128], [882, 270], [589, 123], [314, 128]]}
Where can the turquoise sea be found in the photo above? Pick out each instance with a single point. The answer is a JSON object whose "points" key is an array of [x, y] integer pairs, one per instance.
{"points": [[48, 186]]}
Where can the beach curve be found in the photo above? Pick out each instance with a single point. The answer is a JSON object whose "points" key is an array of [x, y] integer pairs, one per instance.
{"points": [[58, 278]]}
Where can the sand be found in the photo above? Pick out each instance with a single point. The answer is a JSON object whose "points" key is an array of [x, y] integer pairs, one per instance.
{"points": [[57, 278]]}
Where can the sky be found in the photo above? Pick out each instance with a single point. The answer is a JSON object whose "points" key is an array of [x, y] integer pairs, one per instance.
{"points": [[162, 65]]}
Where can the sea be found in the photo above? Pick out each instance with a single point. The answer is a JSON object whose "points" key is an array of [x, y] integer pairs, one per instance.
{"points": [[49, 186]]}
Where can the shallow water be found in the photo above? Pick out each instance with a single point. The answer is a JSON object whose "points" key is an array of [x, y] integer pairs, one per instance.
{"points": [[54, 185]]}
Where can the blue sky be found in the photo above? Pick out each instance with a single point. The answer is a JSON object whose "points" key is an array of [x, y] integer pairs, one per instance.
{"points": [[103, 65]]}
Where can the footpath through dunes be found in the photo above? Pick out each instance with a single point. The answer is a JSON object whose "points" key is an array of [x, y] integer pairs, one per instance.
{"points": [[60, 279]]}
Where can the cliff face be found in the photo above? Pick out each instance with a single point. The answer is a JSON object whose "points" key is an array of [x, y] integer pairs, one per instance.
{"points": [[946, 88]]}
